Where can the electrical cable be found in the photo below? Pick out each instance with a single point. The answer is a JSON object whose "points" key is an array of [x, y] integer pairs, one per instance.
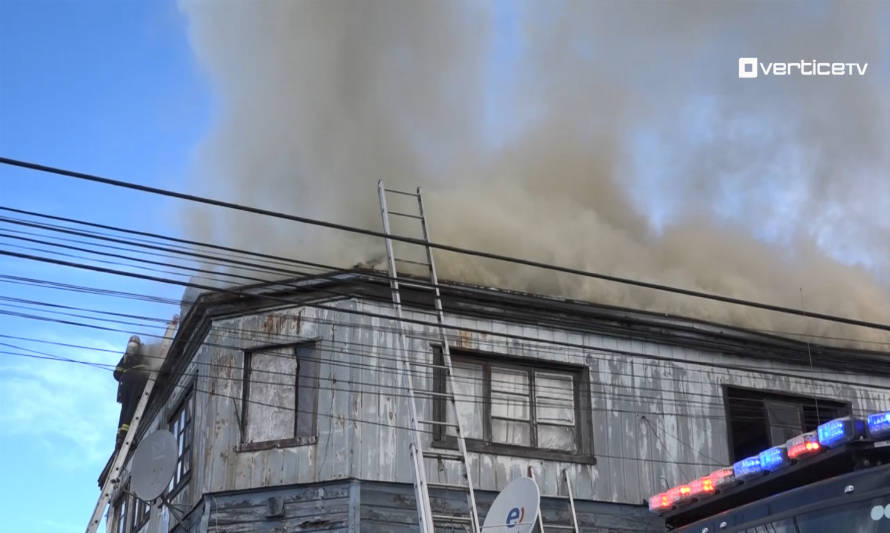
{"points": [[330, 268], [439, 246]]}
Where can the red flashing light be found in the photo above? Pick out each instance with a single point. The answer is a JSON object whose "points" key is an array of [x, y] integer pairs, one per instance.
{"points": [[673, 495], [660, 502], [701, 486], [803, 445], [804, 448]]}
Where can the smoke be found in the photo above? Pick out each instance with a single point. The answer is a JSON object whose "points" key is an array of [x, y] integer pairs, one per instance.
{"points": [[612, 137]]}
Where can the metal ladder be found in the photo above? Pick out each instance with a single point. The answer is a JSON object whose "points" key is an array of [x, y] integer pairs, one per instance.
{"points": [[541, 525], [428, 520], [120, 457]]}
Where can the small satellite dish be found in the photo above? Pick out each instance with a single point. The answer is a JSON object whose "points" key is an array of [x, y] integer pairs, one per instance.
{"points": [[515, 510], [153, 465]]}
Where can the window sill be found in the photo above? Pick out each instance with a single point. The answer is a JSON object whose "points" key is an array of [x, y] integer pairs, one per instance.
{"points": [[479, 446], [276, 444]]}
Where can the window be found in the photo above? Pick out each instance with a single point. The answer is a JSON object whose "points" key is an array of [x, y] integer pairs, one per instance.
{"points": [[757, 420], [280, 396], [141, 513], [183, 429], [517, 407], [120, 514]]}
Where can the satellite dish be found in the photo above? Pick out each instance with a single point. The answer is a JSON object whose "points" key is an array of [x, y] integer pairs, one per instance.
{"points": [[154, 463], [515, 510]]}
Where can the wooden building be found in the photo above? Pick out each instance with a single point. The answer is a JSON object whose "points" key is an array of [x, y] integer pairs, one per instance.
{"points": [[290, 412]]}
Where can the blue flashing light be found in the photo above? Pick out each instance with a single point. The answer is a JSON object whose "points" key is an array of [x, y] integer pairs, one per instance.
{"points": [[839, 431], [879, 425], [773, 459], [748, 467]]}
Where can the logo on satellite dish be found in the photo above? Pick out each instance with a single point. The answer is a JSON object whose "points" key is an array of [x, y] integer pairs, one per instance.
{"points": [[515, 516], [515, 509]]}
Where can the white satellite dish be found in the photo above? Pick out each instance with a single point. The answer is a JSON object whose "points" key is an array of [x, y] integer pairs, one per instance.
{"points": [[515, 510], [153, 465]]}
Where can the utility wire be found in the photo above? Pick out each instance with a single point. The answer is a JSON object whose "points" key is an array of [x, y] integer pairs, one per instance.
{"points": [[613, 397], [278, 259], [439, 246], [590, 352], [209, 288], [339, 417]]}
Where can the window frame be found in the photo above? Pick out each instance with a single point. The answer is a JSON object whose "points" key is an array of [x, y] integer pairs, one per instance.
{"points": [[140, 518], [121, 512], [187, 402], [583, 452], [765, 396], [295, 440]]}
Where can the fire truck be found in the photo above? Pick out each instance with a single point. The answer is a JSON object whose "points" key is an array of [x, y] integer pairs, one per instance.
{"points": [[832, 480]]}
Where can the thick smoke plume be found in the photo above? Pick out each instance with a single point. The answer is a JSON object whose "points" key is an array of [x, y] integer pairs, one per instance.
{"points": [[613, 137]]}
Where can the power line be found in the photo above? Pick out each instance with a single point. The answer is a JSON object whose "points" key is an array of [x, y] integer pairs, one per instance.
{"points": [[439, 246], [213, 393], [589, 351], [235, 291], [614, 396], [328, 269]]}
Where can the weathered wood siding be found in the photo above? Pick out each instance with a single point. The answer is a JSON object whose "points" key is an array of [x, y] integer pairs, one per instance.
{"points": [[656, 421], [319, 507], [386, 507]]}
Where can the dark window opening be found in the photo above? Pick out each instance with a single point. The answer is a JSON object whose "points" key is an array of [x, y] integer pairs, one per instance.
{"points": [[757, 420], [516, 407], [280, 397]]}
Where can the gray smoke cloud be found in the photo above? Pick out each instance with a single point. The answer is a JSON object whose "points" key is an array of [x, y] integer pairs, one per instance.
{"points": [[612, 137]]}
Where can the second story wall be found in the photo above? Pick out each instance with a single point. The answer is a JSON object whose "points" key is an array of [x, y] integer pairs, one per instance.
{"points": [[302, 395]]}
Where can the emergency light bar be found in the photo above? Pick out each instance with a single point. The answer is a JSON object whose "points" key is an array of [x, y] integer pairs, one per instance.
{"points": [[830, 434], [840, 431], [879, 425], [773, 459], [701, 486], [722, 478], [747, 468], [803, 445]]}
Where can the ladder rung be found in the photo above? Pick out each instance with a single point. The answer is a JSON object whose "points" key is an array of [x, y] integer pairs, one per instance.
{"points": [[437, 423], [417, 285], [395, 191], [410, 262], [451, 518], [559, 526], [409, 215], [445, 456], [446, 486]]}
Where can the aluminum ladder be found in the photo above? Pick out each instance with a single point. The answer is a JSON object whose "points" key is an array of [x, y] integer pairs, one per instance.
{"points": [[560, 527], [428, 520], [113, 478]]}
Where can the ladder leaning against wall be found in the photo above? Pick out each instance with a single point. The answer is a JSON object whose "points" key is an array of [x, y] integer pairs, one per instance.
{"points": [[428, 520]]}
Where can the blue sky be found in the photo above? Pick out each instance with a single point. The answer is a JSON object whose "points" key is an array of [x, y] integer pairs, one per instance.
{"points": [[103, 87]]}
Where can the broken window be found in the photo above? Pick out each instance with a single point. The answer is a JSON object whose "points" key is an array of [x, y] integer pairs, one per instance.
{"points": [[514, 405], [757, 420], [280, 395]]}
